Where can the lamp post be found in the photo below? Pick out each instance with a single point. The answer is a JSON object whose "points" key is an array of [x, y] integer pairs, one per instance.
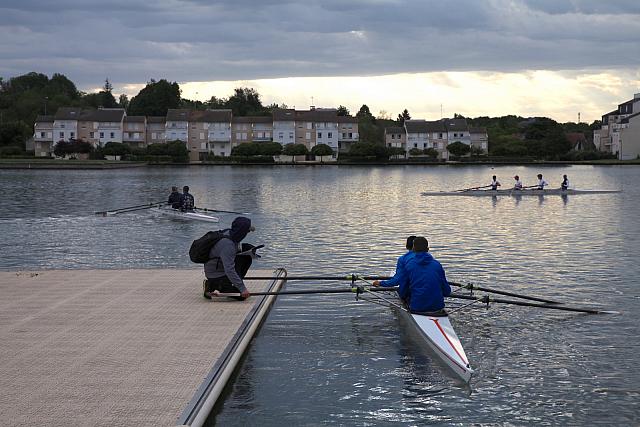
{"points": [[46, 98]]}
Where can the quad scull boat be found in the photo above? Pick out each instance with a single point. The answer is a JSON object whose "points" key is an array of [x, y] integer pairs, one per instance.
{"points": [[515, 193]]}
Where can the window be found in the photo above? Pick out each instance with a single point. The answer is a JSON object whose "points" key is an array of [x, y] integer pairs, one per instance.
{"points": [[201, 135], [62, 125], [101, 135], [41, 134], [91, 135], [307, 135], [290, 135], [440, 135], [350, 135], [281, 135], [319, 135], [112, 135], [309, 126], [153, 135], [415, 145]]}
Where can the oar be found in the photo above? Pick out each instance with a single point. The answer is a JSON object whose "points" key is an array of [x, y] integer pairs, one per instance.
{"points": [[471, 287], [146, 205], [121, 211], [355, 290], [469, 189], [487, 299], [354, 277], [218, 210]]}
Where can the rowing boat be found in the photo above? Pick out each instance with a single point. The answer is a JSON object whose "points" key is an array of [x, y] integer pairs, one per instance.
{"points": [[194, 215], [513, 192], [440, 337]]}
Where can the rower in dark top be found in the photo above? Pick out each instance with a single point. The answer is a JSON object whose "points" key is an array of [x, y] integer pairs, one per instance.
{"points": [[187, 202], [175, 199], [494, 183], [565, 183]]}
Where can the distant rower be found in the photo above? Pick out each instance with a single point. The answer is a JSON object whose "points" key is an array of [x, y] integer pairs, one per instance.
{"points": [[541, 182], [494, 183], [565, 182], [174, 198], [187, 201], [518, 184]]}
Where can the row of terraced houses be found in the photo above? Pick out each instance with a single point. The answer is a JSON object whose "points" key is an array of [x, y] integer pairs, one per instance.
{"points": [[620, 130], [218, 131]]}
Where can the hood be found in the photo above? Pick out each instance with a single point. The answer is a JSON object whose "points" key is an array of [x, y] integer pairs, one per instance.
{"points": [[423, 258], [240, 227]]}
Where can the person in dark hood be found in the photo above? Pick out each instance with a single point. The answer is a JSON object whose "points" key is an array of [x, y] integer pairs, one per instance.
{"points": [[229, 261], [175, 199], [423, 281], [187, 203]]}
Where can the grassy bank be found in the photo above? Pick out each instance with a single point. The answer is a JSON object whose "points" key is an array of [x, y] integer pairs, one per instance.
{"points": [[35, 163]]}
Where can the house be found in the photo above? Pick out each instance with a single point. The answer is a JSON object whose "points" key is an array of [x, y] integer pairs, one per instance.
{"points": [[134, 131], [155, 130], [43, 136], [65, 124], [608, 137], [284, 126], [101, 126], [209, 132], [177, 125], [479, 139], [629, 141]]}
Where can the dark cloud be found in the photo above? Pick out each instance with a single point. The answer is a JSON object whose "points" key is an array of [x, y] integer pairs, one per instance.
{"points": [[185, 40]]}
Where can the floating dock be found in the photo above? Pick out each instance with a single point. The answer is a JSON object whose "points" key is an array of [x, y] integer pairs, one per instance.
{"points": [[120, 347]]}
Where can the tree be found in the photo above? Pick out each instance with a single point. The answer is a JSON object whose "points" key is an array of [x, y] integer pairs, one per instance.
{"points": [[113, 148], [123, 101], [368, 150], [216, 103], [343, 111], [384, 115], [404, 116], [178, 151], [458, 148], [295, 150], [321, 150], [365, 114], [415, 152], [244, 102], [431, 152], [396, 151], [270, 148], [155, 99], [246, 149], [14, 134]]}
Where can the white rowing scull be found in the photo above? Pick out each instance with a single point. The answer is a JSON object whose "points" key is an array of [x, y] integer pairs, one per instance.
{"points": [[195, 214], [514, 192]]}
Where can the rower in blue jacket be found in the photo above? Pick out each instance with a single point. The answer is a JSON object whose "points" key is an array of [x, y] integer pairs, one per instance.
{"points": [[399, 267], [422, 281]]}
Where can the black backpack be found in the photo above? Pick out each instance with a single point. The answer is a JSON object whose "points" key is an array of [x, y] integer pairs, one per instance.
{"points": [[200, 248]]}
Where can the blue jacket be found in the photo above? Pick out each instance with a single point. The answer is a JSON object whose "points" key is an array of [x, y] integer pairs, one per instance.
{"points": [[423, 281], [394, 281]]}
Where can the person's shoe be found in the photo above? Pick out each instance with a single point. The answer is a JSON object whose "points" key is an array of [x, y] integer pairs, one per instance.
{"points": [[205, 291]]}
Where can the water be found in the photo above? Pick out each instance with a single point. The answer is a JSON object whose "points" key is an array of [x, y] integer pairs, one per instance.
{"points": [[331, 360]]}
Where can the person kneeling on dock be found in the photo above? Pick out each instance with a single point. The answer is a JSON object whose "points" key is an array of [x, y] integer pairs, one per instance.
{"points": [[423, 280], [229, 261]]}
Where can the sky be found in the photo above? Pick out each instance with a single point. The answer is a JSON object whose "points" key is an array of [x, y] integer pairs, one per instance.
{"points": [[553, 58]]}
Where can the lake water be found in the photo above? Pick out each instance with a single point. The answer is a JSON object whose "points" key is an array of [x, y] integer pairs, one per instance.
{"points": [[332, 360]]}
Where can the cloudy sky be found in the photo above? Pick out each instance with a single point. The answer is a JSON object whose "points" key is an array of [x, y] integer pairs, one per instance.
{"points": [[554, 58]]}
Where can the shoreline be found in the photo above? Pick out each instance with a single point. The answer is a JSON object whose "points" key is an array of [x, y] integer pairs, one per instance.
{"points": [[107, 164]]}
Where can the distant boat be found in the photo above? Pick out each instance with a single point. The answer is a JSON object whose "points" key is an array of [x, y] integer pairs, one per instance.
{"points": [[513, 192]]}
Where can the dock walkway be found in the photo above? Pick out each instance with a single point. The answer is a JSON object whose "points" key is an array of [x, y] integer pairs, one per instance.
{"points": [[118, 347]]}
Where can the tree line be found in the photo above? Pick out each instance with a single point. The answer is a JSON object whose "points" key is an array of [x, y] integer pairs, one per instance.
{"points": [[24, 97]]}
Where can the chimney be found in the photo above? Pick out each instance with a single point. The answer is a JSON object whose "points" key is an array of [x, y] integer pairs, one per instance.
{"points": [[636, 96], [312, 107]]}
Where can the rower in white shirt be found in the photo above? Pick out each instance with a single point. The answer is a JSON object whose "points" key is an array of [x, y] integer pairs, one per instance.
{"points": [[541, 182], [494, 183], [518, 184]]}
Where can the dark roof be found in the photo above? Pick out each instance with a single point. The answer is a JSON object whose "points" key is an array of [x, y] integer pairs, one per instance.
{"points": [[456, 124], [284, 115], [346, 119], [68, 113], [394, 130], [156, 119], [44, 119], [134, 119], [477, 130], [210, 116], [416, 126], [626, 119], [575, 137], [318, 115], [253, 119], [178, 115], [103, 115]]}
